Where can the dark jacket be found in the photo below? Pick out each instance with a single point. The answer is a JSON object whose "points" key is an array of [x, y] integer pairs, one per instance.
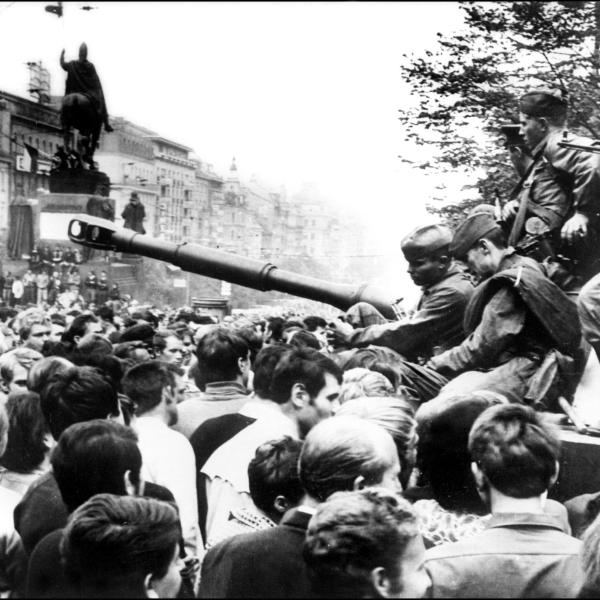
{"points": [[265, 564]]}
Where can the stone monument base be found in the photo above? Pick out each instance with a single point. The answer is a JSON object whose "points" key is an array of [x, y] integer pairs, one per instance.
{"points": [[77, 181]]}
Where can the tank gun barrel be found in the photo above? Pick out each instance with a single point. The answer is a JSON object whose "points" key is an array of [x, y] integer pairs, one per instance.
{"points": [[256, 274]]}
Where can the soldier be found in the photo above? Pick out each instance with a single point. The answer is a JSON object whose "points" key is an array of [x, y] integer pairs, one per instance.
{"points": [[559, 191], [90, 284], [437, 323], [516, 321]]}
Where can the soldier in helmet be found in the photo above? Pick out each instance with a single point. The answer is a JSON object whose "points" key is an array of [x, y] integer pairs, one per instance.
{"points": [[437, 323], [559, 191]]}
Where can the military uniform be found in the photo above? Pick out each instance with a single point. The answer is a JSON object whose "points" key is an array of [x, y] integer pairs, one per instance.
{"points": [[436, 323]]}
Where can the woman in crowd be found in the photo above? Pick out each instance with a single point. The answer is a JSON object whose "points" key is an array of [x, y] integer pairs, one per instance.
{"points": [[29, 442]]}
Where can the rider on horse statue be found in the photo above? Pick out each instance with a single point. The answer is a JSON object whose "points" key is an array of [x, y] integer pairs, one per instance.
{"points": [[83, 106]]}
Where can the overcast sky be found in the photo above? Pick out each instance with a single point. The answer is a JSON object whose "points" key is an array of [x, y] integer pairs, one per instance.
{"points": [[297, 92]]}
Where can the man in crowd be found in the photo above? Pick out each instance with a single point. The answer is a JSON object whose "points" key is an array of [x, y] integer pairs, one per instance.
{"points": [[437, 323], [167, 455], [223, 370], [304, 389], [339, 454], [366, 544], [523, 551]]}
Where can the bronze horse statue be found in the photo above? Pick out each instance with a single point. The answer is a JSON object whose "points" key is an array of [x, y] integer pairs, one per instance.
{"points": [[83, 106], [77, 112]]}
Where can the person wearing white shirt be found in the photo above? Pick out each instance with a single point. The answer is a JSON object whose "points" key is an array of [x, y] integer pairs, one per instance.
{"points": [[167, 456]]}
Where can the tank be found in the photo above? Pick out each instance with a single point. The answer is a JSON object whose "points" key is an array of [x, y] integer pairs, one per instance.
{"points": [[258, 275]]}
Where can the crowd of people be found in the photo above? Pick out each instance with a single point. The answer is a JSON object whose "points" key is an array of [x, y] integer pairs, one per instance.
{"points": [[160, 453]]}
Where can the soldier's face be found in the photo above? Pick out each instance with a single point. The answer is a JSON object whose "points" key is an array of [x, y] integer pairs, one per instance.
{"points": [[425, 270], [534, 130]]}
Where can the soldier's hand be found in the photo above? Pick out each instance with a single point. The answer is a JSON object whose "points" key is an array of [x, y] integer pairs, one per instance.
{"points": [[510, 209], [338, 333], [575, 227]]}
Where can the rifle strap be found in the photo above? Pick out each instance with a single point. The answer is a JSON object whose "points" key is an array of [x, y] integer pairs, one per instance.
{"points": [[523, 186]]}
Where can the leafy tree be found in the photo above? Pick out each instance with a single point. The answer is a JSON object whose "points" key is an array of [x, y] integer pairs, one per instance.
{"points": [[470, 84]]}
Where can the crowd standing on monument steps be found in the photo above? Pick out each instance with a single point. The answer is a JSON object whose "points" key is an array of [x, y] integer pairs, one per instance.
{"points": [[161, 452]]}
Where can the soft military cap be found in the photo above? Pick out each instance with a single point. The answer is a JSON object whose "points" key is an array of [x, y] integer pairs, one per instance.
{"points": [[470, 231], [543, 103], [423, 241]]}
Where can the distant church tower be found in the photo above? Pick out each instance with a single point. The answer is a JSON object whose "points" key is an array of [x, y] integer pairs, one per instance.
{"points": [[232, 185]]}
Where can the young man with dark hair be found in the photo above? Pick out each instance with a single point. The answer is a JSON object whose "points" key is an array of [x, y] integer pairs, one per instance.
{"points": [[365, 544], [274, 488], [79, 327], [167, 455], [222, 373], [93, 457], [339, 454], [515, 461], [304, 388]]}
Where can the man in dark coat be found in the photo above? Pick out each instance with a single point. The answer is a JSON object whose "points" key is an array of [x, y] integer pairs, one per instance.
{"points": [[134, 214]]}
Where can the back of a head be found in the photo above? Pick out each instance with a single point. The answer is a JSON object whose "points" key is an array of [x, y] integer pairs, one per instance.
{"points": [[443, 454], [264, 366], [218, 353], [92, 458], [43, 370], [359, 382], [26, 447], [304, 339], [516, 449], [144, 384], [112, 543], [275, 325], [396, 416], [379, 359], [352, 534], [94, 344], [313, 322], [301, 365], [77, 395], [339, 450], [273, 472]]}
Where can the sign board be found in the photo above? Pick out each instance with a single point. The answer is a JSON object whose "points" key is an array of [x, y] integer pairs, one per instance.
{"points": [[179, 283], [24, 164]]}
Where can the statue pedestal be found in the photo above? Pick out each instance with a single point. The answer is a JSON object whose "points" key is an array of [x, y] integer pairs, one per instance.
{"points": [[77, 181]]}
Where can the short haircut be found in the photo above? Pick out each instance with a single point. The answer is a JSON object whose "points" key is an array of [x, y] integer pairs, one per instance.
{"points": [[144, 384], [337, 451], [43, 370], [253, 339], [353, 533], [304, 339], [360, 382], [93, 457], [77, 395], [516, 450], [544, 104], [379, 359], [78, 327], [443, 454], [312, 322], [396, 416], [112, 543], [264, 365], [94, 344], [275, 325], [26, 447], [218, 352], [273, 472], [305, 366], [159, 341], [24, 357]]}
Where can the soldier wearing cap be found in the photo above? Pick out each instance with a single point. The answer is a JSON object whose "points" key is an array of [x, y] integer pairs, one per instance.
{"points": [[437, 323], [515, 321], [559, 191]]}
